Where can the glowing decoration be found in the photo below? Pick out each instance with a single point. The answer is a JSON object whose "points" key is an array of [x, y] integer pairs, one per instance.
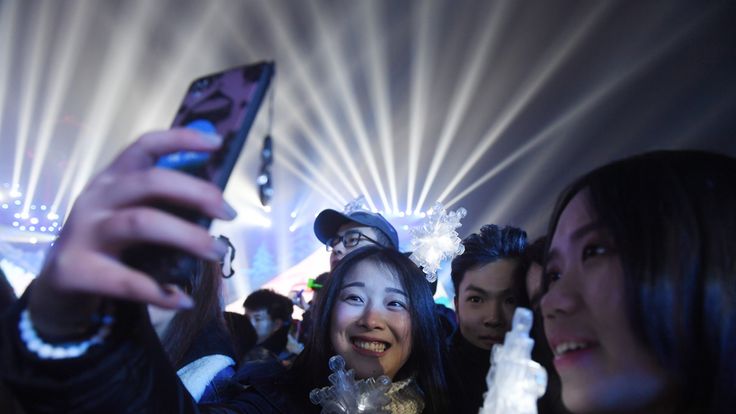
{"points": [[515, 381], [436, 239], [348, 396], [358, 204]]}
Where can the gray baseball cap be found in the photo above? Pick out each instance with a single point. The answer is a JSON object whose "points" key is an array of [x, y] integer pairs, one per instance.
{"points": [[329, 221]]}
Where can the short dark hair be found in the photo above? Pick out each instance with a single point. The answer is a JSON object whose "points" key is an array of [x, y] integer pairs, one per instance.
{"points": [[491, 244], [277, 305], [428, 359], [672, 218]]}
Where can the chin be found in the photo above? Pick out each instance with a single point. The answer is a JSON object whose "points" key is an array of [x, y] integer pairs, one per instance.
{"points": [[610, 398]]}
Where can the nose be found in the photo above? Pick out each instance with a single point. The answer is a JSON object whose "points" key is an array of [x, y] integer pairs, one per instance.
{"points": [[372, 318], [559, 300], [338, 250], [493, 316]]}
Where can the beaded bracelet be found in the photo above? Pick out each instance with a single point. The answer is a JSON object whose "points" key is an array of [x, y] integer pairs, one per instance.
{"points": [[60, 351]]}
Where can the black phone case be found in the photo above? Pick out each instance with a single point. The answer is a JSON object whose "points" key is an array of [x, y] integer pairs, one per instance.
{"points": [[225, 103]]}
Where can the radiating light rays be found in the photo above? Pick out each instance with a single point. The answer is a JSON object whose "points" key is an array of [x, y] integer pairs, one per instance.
{"points": [[62, 192], [418, 92], [317, 100], [292, 121], [574, 114], [338, 64], [64, 55], [37, 33], [381, 104], [332, 198], [190, 57], [124, 54], [470, 77], [526, 93], [8, 19]]}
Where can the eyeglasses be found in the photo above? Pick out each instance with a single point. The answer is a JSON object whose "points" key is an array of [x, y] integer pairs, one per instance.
{"points": [[351, 238]]}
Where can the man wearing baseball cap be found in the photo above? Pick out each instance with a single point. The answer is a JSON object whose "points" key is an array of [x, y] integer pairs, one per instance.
{"points": [[344, 232]]}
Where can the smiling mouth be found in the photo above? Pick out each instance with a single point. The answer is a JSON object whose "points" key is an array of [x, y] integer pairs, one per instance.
{"points": [[572, 346], [371, 346]]}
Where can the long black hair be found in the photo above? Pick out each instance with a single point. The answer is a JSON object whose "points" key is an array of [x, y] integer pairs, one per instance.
{"points": [[428, 357], [672, 217]]}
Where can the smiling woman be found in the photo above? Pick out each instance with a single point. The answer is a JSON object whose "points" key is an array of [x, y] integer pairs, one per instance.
{"points": [[640, 275], [376, 310]]}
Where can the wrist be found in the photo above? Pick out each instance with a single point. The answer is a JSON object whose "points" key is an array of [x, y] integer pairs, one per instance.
{"points": [[59, 317], [66, 350]]}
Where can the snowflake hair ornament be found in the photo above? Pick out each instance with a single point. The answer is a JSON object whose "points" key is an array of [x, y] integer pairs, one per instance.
{"points": [[357, 204], [436, 239], [348, 396]]}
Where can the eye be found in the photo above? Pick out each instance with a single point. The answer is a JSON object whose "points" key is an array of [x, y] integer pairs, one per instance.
{"points": [[552, 276], [352, 298], [397, 304], [593, 250], [474, 299]]}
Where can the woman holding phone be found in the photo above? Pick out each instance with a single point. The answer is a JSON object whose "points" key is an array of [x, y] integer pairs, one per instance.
{"points": [[80, 339]]}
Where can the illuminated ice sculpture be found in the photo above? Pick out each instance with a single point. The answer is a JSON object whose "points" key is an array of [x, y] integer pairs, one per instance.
{"points": [[350, 396], [515, 381]]}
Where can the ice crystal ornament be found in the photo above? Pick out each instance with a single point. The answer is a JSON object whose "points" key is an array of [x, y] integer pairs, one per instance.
{"points": [[436, 240], [348, 396], [358, 204], [515, 381]]}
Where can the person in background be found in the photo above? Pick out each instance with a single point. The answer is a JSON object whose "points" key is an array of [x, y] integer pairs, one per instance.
{"points": [[342, 233], [640, 282], [270, 314], [489, 284]]}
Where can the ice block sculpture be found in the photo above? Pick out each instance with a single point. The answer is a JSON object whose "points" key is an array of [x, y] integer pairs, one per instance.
{"points": [[348, 396], [515, 381]]}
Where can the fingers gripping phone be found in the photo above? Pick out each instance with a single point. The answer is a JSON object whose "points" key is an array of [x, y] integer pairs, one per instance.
{"points": [[223, 103]]}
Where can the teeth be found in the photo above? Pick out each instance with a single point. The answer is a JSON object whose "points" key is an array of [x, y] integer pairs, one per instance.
{"points": [[371, 346], [569, 346]]}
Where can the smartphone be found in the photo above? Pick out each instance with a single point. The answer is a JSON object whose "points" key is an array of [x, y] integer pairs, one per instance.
{"points": [[224, 103]]}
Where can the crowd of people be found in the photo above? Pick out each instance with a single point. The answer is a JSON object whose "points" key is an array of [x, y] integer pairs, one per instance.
{"points": [[633, 288]]}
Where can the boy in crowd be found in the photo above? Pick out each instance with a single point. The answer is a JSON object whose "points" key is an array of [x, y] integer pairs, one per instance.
{"points": [[489, 284], [270, 315]]}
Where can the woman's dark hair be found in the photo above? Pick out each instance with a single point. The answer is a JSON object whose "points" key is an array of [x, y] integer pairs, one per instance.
{"points": [[187, 325], [672, 218], [428, 357]]}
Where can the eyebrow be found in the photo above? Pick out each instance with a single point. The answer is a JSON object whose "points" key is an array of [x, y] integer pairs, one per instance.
{"points": [[474, 288], [576, 235], [388, 289]]}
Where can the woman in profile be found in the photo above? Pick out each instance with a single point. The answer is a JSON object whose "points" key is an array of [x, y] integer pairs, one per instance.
{"points": [[640, 308]]}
